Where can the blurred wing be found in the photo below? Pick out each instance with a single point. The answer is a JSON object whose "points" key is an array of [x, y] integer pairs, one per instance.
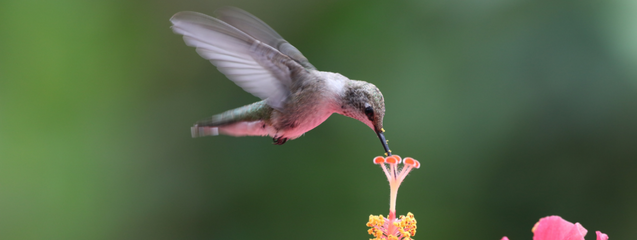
{"points": [[258, 29], [253, 65]]}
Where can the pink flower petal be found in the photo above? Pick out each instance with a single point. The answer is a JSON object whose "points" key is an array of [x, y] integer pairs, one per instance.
{"points": [[556, 228], [504, 238], [600, 236]]}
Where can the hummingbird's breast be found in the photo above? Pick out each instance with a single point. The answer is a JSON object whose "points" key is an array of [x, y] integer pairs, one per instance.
{"points": [[314, 100], [307, 123]]}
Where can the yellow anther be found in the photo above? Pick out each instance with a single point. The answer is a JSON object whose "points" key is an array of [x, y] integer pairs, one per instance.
{"points": [[387, 141], [386, 154], [382, 129]]}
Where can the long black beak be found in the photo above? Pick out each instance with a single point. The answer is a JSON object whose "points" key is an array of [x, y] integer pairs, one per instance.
{"points": [[381, 136]]}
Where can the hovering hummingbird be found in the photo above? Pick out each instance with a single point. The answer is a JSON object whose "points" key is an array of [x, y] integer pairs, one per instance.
{"points": [[296, 97]]}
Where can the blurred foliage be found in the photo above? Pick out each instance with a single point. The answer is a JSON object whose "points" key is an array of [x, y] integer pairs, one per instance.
{"points": [[517, 110]]}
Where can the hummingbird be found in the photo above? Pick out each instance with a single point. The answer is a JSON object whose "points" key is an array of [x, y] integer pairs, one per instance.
{"points": [[295, 96]]}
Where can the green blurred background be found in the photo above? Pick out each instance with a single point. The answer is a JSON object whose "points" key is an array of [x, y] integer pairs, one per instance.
{"points": [[517, 110]]}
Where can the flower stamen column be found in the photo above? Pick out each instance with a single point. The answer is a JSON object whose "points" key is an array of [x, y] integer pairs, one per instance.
{"points": [[404, 227]]}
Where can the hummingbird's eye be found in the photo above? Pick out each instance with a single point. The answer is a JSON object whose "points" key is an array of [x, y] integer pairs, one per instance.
{"points": [[369, 111]]}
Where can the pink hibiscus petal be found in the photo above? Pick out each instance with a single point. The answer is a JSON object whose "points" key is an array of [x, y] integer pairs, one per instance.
{"points": [[600, 236], [556, 228], [504, 238]]}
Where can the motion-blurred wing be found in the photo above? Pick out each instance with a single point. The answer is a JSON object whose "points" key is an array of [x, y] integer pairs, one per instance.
{"points": [[258, 29], [253, 65]]}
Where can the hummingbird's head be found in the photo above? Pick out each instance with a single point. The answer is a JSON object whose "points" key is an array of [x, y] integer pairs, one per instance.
{"points": [[364, 102]]}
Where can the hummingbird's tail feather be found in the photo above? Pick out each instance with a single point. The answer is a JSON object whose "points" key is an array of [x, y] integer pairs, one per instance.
{"points": [[238, 129], [197, 131], [247, 120]]}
